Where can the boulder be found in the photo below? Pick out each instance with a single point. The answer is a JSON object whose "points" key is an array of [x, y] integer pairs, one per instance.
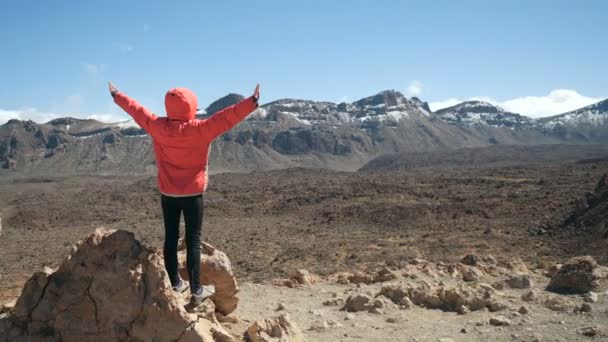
{"points": [[303, 277], [500, 321], [111, 288], [358, 302], [471, 260], [519, 281], [577, 275], [472, 274], [216, 269], [276, 329], [557, 303]]}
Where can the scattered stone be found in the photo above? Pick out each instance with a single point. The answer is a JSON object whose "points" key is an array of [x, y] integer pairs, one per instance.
{"points": [[392, 320], [446, 339], [530, 296], [274, 329], [357, 302], [500, 321], [385, 275], [523, 310], [472, 274], [417, 261], [592, 331], [520, 281], [591, 297], [470, 260], [577, 275], [376, 311], [464, 331], [280, 307], [487, 287], [585, 307], [499, 285], [349, 317], [463, 310], [378, 303], [557, 303], [405, 303], [334, 302], [303, 277]]}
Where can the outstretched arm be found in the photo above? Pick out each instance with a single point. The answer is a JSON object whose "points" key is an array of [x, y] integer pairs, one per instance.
{"points": [[227, 118], [142, 116]]}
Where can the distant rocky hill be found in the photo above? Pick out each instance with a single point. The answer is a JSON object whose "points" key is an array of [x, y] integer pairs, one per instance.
{"points": [[293, 132], [473, 113]]}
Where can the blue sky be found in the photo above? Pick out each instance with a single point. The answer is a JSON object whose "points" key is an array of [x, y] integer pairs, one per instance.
{"points": [[535, 56]]}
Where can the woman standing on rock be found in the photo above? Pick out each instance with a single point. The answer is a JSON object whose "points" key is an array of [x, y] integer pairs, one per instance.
{"points": [[181, 148]]}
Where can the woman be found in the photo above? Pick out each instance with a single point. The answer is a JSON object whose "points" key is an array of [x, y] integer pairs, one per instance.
{"points": [[181, 148]]}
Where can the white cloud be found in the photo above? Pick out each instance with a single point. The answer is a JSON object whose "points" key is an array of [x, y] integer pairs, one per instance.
{"points": [[108, 117], [436, 105], [414, 89], [28, 114], [6, 115], [42, 117], [556, 102]]}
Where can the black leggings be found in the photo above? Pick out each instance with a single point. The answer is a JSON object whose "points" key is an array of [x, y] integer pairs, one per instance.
{"points": [[192, 207]]}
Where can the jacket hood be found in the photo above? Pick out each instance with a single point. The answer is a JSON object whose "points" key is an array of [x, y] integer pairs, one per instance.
{"points": [[181, 104]]}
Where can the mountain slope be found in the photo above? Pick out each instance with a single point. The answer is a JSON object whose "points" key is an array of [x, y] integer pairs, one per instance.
{"points": [[473, 113], [588, 124], [281, 134]]}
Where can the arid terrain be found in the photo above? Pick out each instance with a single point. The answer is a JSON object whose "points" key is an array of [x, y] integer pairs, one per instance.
{"points": [[273, 223]]}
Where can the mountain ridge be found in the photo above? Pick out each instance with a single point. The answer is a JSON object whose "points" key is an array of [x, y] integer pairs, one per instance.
{"points": [[287, 133]]}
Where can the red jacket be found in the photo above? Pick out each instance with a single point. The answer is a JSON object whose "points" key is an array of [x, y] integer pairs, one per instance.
{"points": [[181, 142]]}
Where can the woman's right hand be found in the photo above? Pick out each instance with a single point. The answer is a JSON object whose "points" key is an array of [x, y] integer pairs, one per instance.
{"points": [[112, 88]]}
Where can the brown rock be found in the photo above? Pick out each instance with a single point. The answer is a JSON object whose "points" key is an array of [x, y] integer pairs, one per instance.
{"points": [[303, 277], [358, 302], [520, 281], [557, 303], [34, 289], [472, 274], [471, 260], [578, 275], [112, 288], [276, 329], [216, 269], [530, 296], [500, 321], [385, 275]]}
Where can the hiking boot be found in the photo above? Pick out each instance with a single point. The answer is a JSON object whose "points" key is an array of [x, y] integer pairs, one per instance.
{"points": [[201, 294], [181, 287]]}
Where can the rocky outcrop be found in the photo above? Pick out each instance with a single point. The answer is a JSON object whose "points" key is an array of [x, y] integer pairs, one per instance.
{"points": [[216, 269], [276, 329], [459, 299], [577, 275], [110, 288]]}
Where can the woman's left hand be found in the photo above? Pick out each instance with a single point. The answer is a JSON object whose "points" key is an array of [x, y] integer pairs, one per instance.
{"points": [[256, 92]]}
